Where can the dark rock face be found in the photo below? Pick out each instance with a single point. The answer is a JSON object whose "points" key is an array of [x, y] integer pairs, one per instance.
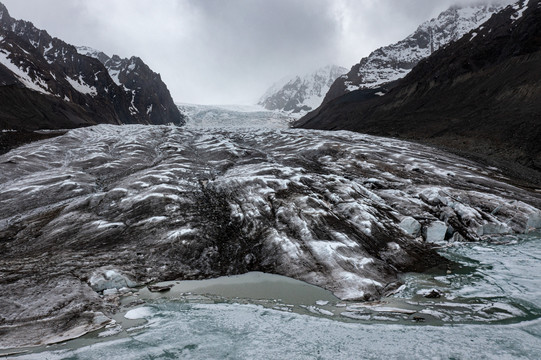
{"points": [[479, 96], [149, 97], [46, 83], [13, 139], [338, 210]]}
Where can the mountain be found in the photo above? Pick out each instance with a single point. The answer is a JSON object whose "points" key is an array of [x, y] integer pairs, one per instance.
{"points": [[47, 83], [393, 62], [479, 96], [301, 94], [149, 95]]}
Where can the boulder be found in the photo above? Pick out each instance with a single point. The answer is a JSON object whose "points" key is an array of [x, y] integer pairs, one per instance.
{"points": [[160, 288], [434, 294]]}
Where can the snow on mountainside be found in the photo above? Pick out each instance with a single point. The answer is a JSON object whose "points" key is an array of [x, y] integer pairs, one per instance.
{"points": [[118, 68], [301, 94], [125, 73], [393, 62], [46, 83]]}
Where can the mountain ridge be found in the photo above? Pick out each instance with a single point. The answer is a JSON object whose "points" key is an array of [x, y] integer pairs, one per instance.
{"points": [[46, 83], [392, 62]]}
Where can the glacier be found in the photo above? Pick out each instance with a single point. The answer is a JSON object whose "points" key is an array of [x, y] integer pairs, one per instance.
{"points": [[163, 203]]}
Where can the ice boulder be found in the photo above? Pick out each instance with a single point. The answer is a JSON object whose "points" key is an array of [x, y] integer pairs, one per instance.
{"points": [[113, 291], [138, 313], [109, 279], [435, 232], [496, 228], [410, 226], [534, 221]]}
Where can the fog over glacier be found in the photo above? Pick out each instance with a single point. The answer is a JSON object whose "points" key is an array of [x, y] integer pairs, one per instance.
{"points": [[203, 47]]}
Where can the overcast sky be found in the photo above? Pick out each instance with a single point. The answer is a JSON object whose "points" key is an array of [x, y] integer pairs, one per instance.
{"points": [[230, 51]]}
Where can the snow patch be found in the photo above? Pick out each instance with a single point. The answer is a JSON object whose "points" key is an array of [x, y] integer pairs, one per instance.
{"points": [[519, 10], [81, 86], [24, 77]]}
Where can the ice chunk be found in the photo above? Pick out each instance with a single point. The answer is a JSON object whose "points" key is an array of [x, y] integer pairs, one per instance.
{"points": [[534, 221], [109, 279], [139, 313], [110, 291], [492, 228], [435, 232], [410, 226]]}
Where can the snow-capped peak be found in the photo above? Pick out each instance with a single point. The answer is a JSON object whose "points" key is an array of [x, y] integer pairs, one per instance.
{"points": [[395, 61], [88, 51], [300, 94]]}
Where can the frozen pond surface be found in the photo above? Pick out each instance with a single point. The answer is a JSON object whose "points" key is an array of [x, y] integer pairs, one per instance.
{"points": [[490, 308]]}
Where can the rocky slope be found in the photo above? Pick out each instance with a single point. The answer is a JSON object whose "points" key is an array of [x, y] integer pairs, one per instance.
{"points": [[108, 207], [46, 83], [479, 96], [301, 94], [149, 95], [393, 62]]}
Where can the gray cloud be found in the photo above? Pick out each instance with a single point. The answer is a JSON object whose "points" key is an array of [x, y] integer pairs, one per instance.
{"points": [[216, 51]]}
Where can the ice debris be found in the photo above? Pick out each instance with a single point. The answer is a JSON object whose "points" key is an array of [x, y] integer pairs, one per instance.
{"points": [[106, 280]]}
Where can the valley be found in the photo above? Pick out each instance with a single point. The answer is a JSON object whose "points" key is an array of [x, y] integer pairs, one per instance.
{"points": [[388, 211]]}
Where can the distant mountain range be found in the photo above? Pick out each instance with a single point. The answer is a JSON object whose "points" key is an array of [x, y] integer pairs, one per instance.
{"points": [[47, 83], [479, 96], [301, 94]]}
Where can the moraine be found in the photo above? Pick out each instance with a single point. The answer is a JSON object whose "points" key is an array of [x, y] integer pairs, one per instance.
{"points": [[108, 207]]}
